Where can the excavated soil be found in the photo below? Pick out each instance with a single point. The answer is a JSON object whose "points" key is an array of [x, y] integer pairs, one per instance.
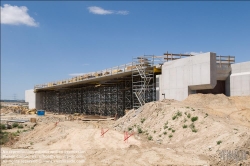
{"points": [[162, 133]]}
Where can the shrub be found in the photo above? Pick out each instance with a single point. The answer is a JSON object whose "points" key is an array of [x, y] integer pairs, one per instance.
{"points": [[139, 130], [184, 126], [173, 131], [219, 142], [154, 131], [159, 135], [32, 128], [169, 129], [150, 137], [142, 120], [165, 133], [2, 127], [194, 130], [15, 125], [189, 115], [179, 114], [165, 127], [4, 137], [206, 115], [174, 117], [129, 128], [193, 119], [170, 136], [20, 126]]}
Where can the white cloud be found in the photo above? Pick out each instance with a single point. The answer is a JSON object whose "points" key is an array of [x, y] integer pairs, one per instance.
{"points": [[122, 12], [14, 15], [98, 10], [194, 53], [77, 74], [101, 11]]}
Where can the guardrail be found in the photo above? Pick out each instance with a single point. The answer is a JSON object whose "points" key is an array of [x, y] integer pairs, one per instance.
{"points": [[92, 75]]}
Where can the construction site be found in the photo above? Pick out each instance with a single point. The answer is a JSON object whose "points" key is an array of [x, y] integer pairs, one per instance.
{"points": [[112, 91], [173, 109]]}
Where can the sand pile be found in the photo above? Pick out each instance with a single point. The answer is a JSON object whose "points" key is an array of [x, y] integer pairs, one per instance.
{"points": [[194, 125]]}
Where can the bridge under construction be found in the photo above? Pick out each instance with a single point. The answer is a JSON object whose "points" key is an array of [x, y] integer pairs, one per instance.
{"points": [[111, 91]]}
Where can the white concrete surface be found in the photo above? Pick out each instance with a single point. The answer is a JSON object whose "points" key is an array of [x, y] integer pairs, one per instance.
{"points": [[181, 77], [30, 97], [240, 79]]}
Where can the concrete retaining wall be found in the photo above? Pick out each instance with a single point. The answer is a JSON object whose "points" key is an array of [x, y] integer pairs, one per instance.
{"points": [[182, 77], [30, 97], [240, 79]]}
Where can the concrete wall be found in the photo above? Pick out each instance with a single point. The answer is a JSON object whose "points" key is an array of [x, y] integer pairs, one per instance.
{"points": [[182, 77], [34, 99], [240, 79], [30, 97]]}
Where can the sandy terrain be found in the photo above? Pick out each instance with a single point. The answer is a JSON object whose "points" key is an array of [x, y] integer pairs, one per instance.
{"points": [[162, 139]]}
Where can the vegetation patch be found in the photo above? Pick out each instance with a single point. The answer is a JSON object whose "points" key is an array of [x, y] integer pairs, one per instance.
{"points": [[219, 142], [184, 126], [150, 137], [139, 130], [15, 125], [178, 114], [170, 136], [192, 127], [193, 119], [188, 115], [20, 126], [142, 120], [2, 127], [164, 132]]}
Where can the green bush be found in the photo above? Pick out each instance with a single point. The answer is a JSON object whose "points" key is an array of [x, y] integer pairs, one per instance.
{"points": [[184, 126], [142, 120], [173, 131], [154, 131], [150, 137], [219, 142], [165, 127], [20, 126], [129, 128], [2, 127], [189, 115], [174, 117], [15, 125], [4, 137], [139, 130], [193, 119], [170, 136], [179, 114], [164, 132]]}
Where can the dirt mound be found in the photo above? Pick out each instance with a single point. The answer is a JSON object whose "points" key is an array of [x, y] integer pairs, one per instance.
{"points": [[200, 124]]}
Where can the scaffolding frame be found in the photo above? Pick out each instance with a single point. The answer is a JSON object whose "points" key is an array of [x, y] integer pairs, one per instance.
{"points": [[112, 97]]}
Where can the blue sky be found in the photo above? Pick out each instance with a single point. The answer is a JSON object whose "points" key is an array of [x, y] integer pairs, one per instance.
{"points": [[48, 41]]}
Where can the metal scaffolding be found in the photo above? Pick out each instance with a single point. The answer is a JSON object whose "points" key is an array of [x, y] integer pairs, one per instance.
{"points": [[143, 81], [111, 91], [107, 99]]}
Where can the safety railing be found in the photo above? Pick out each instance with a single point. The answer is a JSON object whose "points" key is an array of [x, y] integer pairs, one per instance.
{"points": [[92, 75]]}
